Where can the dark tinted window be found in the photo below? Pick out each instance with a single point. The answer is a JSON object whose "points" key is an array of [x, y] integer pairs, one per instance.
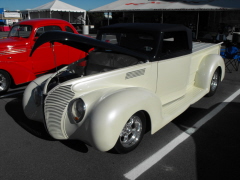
{"points": [[44, 29], [142, 42], [174, 42], [68, 29]]}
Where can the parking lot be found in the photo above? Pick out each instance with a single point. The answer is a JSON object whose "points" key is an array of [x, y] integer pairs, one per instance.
{"points": [[202, 143]]}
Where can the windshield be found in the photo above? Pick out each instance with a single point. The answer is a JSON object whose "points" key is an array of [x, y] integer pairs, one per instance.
{"points": [[23, 31], [145, 43]]}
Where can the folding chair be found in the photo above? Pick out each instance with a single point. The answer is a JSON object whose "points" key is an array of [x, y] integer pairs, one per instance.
{"points": [[238, 62], [231, 57], [221, 38]]}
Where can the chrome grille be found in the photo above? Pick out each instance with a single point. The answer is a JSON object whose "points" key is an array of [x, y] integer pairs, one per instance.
{"points": [[55, 104], [136, 73]]}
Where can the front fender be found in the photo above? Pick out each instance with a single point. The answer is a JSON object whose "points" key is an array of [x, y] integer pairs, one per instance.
{"points": [[32, 110], [109, 116], [19, 73], [206, 69]]}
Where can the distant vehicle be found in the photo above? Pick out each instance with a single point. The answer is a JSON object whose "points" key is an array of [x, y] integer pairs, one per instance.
{"points": [[146, 78], [16, 67]]}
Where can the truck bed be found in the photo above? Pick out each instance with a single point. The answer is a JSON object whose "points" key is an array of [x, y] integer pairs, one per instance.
{"points": [[199, 46]]}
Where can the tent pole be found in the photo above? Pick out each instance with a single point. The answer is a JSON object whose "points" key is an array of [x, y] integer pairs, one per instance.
{"points": [[84, 17], [29, 15], [197, 25], [162, 18], [69, 17], [108, 18]]}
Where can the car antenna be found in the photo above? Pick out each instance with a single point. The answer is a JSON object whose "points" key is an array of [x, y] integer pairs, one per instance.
{"points": [[55, 59]]}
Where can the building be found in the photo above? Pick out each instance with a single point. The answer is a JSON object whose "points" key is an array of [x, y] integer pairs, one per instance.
{"points": [[8, 18]]}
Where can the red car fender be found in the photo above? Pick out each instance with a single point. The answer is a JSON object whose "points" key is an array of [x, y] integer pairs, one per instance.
{"points": [[18, 73]]}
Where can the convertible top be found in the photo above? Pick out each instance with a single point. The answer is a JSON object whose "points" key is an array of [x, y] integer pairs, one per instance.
{"points": [[83, 43], [155, 28]]}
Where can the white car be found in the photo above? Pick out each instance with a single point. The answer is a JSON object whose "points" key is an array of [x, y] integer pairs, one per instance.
{"points": [[137, 76]]}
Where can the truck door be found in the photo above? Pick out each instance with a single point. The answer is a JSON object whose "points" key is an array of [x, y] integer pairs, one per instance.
{"points": [[173, 78], [47, 57], [174, 69]]}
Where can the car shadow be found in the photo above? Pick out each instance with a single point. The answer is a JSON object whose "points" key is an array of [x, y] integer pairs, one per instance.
{"points": [[216, 142], [76, 145], [15, 110]]}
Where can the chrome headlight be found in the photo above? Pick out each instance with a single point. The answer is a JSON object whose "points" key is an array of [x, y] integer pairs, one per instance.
{"points": [[76, 110]]}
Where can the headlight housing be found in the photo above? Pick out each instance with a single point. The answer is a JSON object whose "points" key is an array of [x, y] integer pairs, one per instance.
{"points": [[76, 110], [37, 95]]}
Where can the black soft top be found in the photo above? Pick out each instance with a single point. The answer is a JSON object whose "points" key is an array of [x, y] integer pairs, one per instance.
{"points": [[155, 28]]}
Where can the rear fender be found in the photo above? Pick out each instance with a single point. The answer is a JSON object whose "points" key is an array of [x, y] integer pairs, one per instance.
{"points": [[207, 67], [110, 115]]}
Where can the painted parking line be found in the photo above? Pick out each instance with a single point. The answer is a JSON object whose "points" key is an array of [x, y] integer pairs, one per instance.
{"points": [[148, 163]]}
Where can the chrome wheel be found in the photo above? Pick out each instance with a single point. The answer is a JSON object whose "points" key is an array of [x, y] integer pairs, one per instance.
{"points": [[131, 132], [214, 82], [4, 81]]}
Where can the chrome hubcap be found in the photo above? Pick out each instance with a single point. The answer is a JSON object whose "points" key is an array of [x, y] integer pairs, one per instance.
{"points": [[214, 82], [3, 83], [131, 132]]}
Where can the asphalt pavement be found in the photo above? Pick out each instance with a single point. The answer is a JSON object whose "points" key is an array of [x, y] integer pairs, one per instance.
{"points": [[181, 150]]}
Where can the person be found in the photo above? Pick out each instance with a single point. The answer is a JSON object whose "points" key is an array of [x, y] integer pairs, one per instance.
{"points": [[221, 37], [193, 28], [78, 28]]}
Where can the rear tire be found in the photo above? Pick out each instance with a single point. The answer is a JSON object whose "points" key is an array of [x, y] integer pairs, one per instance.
{"points": [[5, 81], [132, 133], [214, 83]]}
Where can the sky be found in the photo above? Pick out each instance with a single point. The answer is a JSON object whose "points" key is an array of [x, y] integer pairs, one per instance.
{"points": [[13, 5]]}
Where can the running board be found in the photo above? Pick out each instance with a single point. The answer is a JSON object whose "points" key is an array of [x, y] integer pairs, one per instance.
{"points": [[175, 108]]}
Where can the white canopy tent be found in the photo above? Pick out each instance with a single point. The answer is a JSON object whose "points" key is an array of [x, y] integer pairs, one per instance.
{"points": [[169, 5], [58, 9]]}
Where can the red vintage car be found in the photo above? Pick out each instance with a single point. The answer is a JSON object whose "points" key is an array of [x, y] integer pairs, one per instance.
{"points": [[17, 67]]}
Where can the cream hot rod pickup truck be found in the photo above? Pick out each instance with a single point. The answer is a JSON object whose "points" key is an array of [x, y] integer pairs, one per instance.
{"points": [[138, 75]]}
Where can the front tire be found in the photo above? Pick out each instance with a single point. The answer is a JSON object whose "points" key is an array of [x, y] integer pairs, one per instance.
{"points": [[214, 83], [132, 133], [5, 81]]}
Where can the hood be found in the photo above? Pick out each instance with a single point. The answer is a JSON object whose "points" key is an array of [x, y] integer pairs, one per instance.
{"points": [[82, 43], [11, 42]]}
